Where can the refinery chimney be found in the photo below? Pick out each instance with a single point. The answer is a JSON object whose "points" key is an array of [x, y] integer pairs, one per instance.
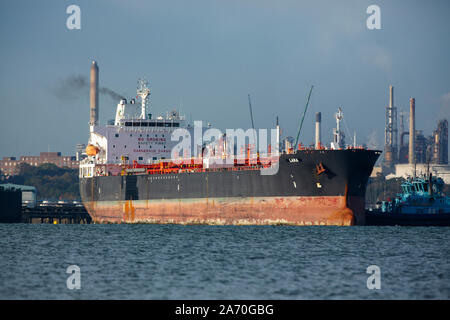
{"points": [[412, 130], [391, 96], [94, 95], [318, 132], [390, 132]]}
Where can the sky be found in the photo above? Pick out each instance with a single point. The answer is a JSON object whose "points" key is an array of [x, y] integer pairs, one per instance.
{"points": [[205, 56]]}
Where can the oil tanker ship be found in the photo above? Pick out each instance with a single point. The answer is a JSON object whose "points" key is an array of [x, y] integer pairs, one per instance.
{"points": [[130, 175]]}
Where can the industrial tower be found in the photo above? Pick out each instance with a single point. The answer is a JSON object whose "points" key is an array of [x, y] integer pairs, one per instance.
{"points": [[391, 133]]}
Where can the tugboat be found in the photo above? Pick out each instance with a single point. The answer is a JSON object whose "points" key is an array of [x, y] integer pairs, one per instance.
{"points": [[421, 203]]}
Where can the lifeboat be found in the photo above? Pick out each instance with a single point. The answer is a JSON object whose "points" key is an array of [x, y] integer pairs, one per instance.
{"points": [[92, 150]]}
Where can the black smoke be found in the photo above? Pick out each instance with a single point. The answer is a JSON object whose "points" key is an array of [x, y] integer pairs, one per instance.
{"points": [[114, 95], [74, 86]]}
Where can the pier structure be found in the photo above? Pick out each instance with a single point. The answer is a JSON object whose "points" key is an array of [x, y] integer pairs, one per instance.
{"points": [[55, 214]]}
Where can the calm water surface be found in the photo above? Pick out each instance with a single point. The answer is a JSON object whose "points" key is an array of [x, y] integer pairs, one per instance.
{"points": [[217, 262]]}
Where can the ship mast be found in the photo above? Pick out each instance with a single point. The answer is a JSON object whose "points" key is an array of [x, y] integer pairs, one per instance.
{"points": [[143, 91], [338, 135]]}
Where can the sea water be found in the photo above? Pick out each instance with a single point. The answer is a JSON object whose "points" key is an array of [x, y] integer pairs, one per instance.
{"points": [[223, 262]]}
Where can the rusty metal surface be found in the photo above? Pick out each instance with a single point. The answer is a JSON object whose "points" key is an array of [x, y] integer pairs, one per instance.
{"points": [[334, 210]]}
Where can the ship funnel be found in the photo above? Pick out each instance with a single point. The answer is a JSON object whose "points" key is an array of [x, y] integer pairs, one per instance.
{"points": [[94, 95], [318, 129], [412, 130]]}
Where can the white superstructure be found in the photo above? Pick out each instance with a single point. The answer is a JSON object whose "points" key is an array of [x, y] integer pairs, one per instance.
{"points": [[135, 135]]}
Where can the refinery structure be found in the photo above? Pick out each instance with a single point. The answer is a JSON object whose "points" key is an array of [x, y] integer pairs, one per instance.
{"points": [[419, 154]]}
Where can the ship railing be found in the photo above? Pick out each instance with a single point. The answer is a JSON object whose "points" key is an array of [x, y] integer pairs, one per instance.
{"points": [[86, 170], [321, 148], [168, 167]]}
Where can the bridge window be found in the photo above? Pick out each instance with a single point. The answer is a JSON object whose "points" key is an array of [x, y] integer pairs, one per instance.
{"points": [[160, 124], [422, 187]]}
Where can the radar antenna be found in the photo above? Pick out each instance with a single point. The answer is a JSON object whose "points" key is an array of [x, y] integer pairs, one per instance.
{"points": [[143, 91]]}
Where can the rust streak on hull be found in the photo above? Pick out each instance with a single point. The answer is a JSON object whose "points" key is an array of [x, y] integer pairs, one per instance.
{"points": [[329, 210]]}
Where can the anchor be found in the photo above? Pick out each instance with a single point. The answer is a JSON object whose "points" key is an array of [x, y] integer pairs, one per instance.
{"points": [[320, 169]]}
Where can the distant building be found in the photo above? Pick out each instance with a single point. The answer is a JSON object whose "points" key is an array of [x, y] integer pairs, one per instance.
{"points": [[10, 165], [421, 169]]}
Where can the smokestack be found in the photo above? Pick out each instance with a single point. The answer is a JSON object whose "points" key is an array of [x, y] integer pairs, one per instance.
{"points": [[318, 133], [94, 95], [391, 96], [412, 130]]}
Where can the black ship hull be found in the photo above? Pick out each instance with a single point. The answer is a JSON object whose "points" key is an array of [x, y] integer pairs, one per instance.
{"points": [[311, 187], [376, 218]]}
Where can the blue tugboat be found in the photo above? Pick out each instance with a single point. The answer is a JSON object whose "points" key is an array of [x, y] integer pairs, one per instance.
{"points": [[421, 203]]}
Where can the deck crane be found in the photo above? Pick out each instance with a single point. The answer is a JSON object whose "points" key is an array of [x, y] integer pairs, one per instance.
{"points": [[303, 117]]}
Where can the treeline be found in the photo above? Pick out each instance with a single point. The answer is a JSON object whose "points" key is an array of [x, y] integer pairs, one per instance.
{"points": [[51, 181]]}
